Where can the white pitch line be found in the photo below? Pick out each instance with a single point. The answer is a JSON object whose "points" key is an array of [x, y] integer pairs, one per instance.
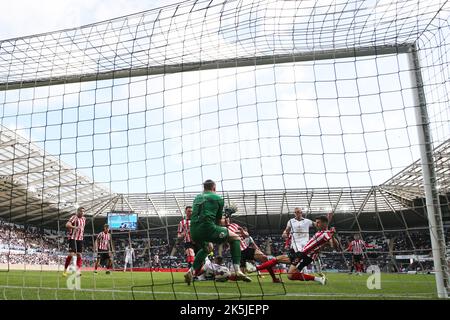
{"points": [[415, 295]]}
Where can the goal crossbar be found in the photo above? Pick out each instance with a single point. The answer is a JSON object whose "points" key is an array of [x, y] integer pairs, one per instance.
{"points": [[212, 64]]}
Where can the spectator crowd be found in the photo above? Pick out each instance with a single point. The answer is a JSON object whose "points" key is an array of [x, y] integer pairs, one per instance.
{"points": [[30, 245]]}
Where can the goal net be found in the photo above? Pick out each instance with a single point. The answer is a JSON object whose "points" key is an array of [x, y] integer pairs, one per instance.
{"points": [[329, 106]]}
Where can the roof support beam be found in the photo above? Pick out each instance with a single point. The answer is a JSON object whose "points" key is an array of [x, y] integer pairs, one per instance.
{"points": [[361, 208]]}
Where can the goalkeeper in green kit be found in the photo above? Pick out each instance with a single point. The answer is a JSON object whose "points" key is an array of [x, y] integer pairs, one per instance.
{"points": [[206, 227]]}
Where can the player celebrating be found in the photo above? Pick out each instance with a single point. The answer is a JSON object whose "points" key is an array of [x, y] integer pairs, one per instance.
{"points": [[356, 247], [249, 250], [129, 257], [75, 225], [104, 249], [184, 233], [205, 227], [303, 258]]}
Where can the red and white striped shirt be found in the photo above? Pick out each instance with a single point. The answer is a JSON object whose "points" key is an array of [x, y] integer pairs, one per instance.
{"points": [[103, 241], [357, 246], [78, 233], [250, 242], [317, 241], [184, 228], [234, 227]]}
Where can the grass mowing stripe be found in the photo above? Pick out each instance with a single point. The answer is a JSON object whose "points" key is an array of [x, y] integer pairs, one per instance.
{"points": [[420, 295], [119, 285]]}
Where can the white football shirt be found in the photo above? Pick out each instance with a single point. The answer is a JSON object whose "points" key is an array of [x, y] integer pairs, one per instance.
{"points": [[129, 252], [299, 232]]}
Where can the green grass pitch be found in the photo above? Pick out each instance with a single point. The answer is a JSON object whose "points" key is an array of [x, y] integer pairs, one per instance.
{"points": [[48, 285]]}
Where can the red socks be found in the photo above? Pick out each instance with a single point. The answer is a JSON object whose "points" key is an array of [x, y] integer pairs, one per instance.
{"points": [[68, 260], [267, 264], [79, 262], [301, 277], [272, 274], [232, 277], [197, 271]]}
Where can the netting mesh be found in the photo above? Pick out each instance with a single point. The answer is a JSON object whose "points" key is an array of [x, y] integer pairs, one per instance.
{"points": [[204, 31], [283, 103]]}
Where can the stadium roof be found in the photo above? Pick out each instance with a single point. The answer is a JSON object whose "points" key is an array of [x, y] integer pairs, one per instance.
{"points": [[313, 201], [408, 184], [36, 187]]}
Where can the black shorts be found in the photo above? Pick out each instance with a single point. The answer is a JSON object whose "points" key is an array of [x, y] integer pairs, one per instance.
{"points": [[103, 255], [357, 258], [189, 245], [246, 255], [293, 255], [75, 246], [299, 257]]}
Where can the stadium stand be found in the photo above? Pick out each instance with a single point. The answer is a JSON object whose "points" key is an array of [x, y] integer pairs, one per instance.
{"points": [[21, 245]]}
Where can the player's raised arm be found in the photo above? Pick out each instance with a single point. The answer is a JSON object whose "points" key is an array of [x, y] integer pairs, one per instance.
{"points": [[329, 217], [334, 243]]}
